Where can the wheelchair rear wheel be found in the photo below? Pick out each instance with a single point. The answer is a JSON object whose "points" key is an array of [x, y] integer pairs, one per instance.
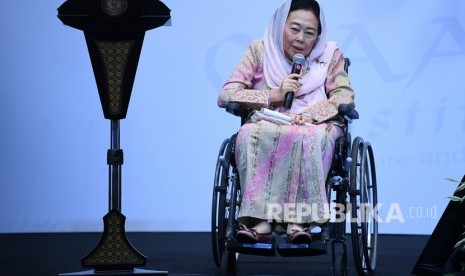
{"points": [[363, 198], [226, 199], [218, 227]]}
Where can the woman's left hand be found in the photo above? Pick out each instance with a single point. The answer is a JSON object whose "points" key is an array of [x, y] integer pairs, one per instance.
{"points": [[301, 120]]}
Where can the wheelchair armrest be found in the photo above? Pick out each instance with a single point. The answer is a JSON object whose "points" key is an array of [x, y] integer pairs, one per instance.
{"points": [[238, 110], [348, 110]]}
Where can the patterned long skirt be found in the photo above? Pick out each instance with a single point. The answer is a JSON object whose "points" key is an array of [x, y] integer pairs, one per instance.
{"points": [[283, 170]]}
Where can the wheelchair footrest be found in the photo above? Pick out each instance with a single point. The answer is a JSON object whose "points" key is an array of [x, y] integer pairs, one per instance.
{"points": [[317, 247], [263, 249]]}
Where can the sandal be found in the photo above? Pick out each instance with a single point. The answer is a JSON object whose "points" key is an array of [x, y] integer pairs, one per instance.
{"points": [[299, 236], [246, 235]]}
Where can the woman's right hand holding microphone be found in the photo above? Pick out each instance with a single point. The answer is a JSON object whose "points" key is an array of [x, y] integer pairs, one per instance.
{"points": [[289, 84]]}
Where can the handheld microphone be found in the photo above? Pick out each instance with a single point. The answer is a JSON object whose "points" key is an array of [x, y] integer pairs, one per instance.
{"points": [[299, 61]]}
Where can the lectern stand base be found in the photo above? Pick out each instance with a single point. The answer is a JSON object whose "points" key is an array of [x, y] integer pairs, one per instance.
{"points": [[136, 271]]}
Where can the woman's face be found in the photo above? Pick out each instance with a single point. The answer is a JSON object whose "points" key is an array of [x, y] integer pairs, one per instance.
{"points": [[300, 33]]}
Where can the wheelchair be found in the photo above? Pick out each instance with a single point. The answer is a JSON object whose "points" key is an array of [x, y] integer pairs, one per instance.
{"points": [[351, 188]]}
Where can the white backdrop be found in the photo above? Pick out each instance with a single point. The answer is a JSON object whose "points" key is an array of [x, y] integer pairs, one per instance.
{"points": [[407, 65]]}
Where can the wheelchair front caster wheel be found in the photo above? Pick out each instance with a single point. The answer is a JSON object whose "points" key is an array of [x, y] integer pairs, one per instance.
{"points": [[339, 258], [228, 263]]}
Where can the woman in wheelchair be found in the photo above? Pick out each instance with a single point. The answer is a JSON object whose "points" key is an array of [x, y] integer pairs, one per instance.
{"points": [[283, 167]]}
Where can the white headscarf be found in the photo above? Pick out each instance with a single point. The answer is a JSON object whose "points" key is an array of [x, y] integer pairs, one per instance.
{"points": [[276, 66]]}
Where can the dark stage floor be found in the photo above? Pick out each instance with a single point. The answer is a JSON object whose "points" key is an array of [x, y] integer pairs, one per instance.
{"points": [[185, 253]]}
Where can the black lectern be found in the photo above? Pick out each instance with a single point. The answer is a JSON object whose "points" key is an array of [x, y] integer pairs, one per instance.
{"points": [[436, 256], [114, 32]]}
